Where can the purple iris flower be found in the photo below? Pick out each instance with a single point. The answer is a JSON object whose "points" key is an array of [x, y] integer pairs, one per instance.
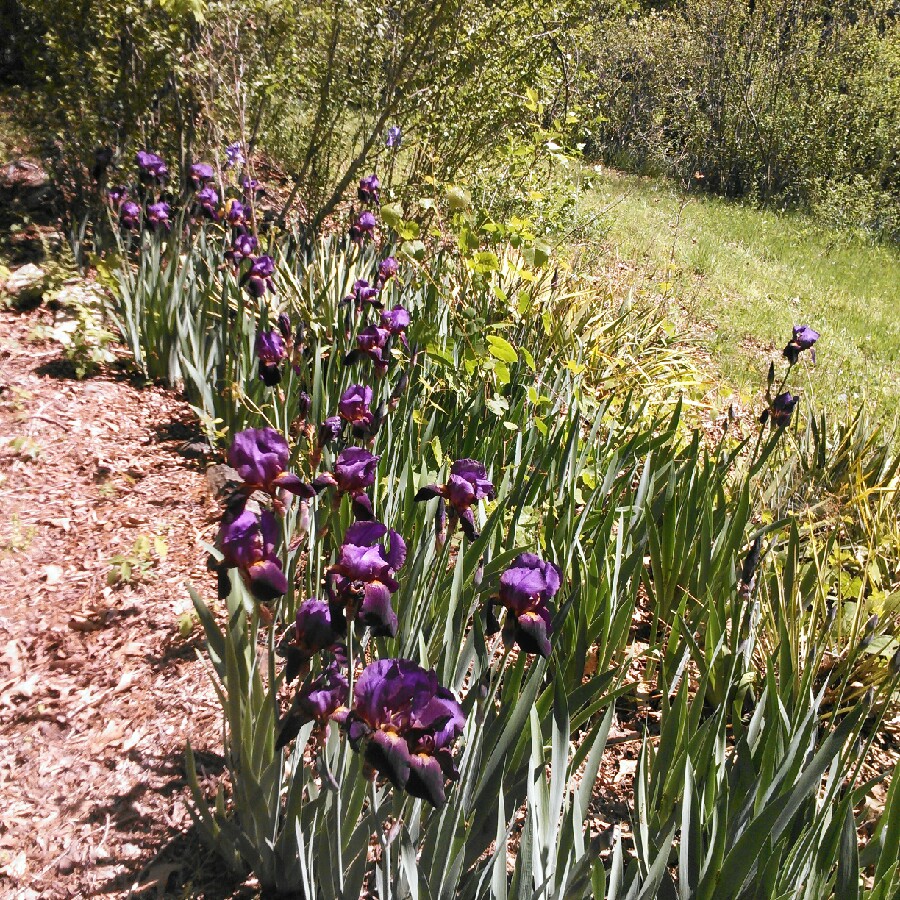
{"points": [[373, 342], [362, 581], [361, 293], [316, 628], [405, 724], [251, 186], [803, 339], [388, 269], [320, 697], [151, 168], [330, 430], [353, 407], [130, 214], [208, 200], [201, 173], [468, 483], [284, 326], [363, 227], [234, 155], [782, 408], [117, 194], [247, 542], [369, 190], [396, 321], [525, 589], [158, 215], [261, 456], [259, 277], [270, 352], [243, 247], [235, 212], [354, 472], [394, 137]]}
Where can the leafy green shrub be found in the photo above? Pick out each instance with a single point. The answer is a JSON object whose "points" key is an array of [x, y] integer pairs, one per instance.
{"points": [[785, 103]]}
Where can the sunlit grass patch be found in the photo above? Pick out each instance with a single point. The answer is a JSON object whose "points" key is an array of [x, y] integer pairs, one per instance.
{"points": [[747, 275]]}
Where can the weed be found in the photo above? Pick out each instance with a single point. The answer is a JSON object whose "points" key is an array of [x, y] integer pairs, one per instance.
{"points": [[135, 565], [26, 447], [20, 537]]}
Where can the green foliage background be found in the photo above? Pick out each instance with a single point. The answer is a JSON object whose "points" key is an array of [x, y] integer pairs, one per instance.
{"points": [[782, 101]]}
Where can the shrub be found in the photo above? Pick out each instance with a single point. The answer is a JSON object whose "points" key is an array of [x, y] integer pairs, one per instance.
{"points": [[787, 103]]}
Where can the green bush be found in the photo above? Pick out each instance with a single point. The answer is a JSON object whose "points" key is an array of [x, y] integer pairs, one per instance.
{"points": [[784, 102], [314, 87]]}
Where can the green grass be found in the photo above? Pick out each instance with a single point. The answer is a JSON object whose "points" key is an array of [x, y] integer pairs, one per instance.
{"points": [[740, 277]]}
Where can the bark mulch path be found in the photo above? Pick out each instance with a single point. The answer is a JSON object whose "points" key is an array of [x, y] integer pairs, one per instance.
{"points": [[100, 685]]}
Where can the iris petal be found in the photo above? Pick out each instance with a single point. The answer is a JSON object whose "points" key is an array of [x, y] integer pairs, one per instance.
{"points": [[426, 780], [376, 611], [387, 752]]}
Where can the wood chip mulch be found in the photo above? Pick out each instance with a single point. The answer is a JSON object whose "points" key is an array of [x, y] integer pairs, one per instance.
{"points": [[100, 685]]}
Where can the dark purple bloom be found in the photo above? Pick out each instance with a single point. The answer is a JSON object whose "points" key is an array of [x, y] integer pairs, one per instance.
{"points": [[158, 215], [363, 227], [330, 430], [304, 402], [394, 137], [235, 212], [234, 155], [247, 542], [388, 269], [525, 589], [260, 456], [244, 247], [405, 724], [151, 168], [258, 279], [354, 408], [362, 581], [396, 321], [284, 326], [361, 293], [803, 339], [373, 342], [354, 472], [782, 408], [208, 200], [315, 629], [117, 194], [201, 173], [270, 352], [468, 483], [319, 698], [369, 190], [130, 214]]}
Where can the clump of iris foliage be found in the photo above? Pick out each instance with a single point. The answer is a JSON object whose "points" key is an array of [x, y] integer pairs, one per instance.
{"points": [[458, 480]]}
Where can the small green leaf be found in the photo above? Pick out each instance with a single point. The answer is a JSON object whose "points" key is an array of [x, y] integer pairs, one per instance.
{"points": [[392, 214], [501, 349], [485, 261], [458, 198]]}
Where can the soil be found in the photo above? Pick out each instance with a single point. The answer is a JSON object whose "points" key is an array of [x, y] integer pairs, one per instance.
{"points": [[100, 683]]}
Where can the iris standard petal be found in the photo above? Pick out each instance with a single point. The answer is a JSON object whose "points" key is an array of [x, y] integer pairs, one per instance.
{"points": [[376, 611]]}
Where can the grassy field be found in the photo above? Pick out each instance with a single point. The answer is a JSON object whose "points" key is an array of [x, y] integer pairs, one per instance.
{"points": [[742, 277]]}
